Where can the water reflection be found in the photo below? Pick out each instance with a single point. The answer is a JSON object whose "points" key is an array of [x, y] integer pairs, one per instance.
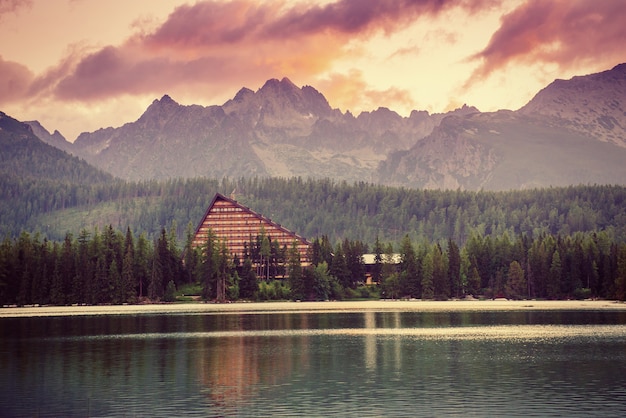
{"points": [[315, 364]]}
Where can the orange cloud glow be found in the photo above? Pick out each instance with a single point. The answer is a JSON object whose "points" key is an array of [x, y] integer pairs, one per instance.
{"points": [[565, 33], [214, 44], [351, 92], [62, 60]]}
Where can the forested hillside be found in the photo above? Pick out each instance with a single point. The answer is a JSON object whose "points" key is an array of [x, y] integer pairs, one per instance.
{"points": [[312, 208], [23, 155], [64, 241], [107, 266]]}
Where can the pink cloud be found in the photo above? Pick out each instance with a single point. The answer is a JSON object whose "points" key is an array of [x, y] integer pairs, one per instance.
{"points": [[212, 45], [12, 6], [15, 80], [351, 92], [352, 17], [567, 33]]}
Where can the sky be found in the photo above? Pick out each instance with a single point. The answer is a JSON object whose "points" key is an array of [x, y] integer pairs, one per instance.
{"points": [[80, 65]]}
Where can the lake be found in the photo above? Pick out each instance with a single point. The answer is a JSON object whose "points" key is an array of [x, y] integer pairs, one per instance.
{"points": [[307, 362]]}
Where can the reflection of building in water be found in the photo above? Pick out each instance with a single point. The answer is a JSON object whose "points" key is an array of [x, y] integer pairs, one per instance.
{"points": [[234, 368], [389, 349], [228, 371], [397, 341], [370, 340]]}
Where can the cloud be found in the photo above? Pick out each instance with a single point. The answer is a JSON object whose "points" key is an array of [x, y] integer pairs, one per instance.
{"points": [[15, 80], [566, 33], [355, 17], [12, 6], [212, 46], [351, 92]]}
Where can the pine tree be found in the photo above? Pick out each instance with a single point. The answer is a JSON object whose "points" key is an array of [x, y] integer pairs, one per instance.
{"points": [[68, 270], [142, 265], [295, 274], [378, 261], [170, 292], [191, 258], [57, 296], [209, 267], [128, 280], [223, 270], [620, 279], [473, 281], [265, 252], [454, 268], [554, 279], [155, 287], [321, 281], [84, 268], [339, 267], [248, 285], [441, 285], [428, 291], [409, 279], [516, 286], [115, 278]]}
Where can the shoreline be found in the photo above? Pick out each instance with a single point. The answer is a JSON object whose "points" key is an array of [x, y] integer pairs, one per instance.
{"points": [[310, 307]]}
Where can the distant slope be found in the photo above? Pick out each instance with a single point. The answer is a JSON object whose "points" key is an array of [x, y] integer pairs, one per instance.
{"points": [[170, 140], [37, 178], [279, 130], [502, 151], [24, 155], [572, 132], [361, 211], [592, 105], [55, 139]]}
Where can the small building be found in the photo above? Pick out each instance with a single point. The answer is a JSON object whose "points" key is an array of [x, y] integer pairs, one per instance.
{"points": [[237, 225], [369, 261]]}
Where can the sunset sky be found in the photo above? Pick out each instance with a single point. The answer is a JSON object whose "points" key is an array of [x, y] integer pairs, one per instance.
{"points": [[80, 65]]}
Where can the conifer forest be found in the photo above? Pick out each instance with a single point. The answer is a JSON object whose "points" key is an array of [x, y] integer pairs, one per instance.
{"points": [[114, 242]]}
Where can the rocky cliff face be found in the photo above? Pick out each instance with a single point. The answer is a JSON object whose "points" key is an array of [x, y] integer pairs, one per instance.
{"points": [[171, 140], [55, 139], [572, 132], [593, 105], [279, 130]]}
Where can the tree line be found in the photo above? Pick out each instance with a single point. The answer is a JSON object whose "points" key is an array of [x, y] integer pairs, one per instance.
{"points": [[312, 208], [115, 267]]}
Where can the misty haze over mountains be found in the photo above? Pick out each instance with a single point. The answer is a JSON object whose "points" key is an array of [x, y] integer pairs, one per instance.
{"points": [[571, 132]]}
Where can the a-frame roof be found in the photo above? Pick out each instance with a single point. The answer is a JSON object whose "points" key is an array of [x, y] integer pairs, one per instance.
{"points": [[220, 197]]}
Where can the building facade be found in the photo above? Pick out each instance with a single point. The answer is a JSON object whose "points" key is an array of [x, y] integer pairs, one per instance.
{"points": [[237, 226]]}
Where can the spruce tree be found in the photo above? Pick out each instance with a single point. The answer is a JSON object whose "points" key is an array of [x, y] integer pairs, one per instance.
{"points": [[516, 286], [428, 291], [296, 275], [454, 268]]}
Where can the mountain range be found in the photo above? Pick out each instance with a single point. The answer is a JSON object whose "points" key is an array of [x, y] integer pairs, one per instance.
{"points": [[572, 132]]}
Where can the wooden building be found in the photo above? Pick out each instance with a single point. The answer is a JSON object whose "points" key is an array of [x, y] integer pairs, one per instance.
{"points": [[236, 225]]}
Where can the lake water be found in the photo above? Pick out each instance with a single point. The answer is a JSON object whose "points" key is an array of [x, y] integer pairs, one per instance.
{"points": [[514, 363]]}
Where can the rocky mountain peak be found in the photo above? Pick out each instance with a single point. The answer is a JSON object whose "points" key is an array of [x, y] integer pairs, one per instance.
{"points": [[284, 85], [283, 130], [278, 102], [56, 139], [594, 104], [160, 111], [242, 95], [165, 102]]}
